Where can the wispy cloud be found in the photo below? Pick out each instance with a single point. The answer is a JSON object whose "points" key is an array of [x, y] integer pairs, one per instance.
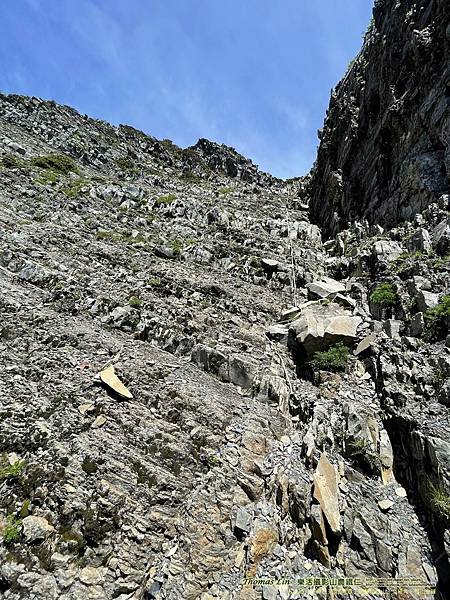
{"points": [[255, 75]]}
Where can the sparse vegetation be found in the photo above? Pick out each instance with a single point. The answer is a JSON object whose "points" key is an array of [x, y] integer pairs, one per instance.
{"points": [[334, 359], [8, 471], [12, 530], [48, 177], [58, 163], [10, 161], [176, 246], [438, 500], [25, 509], [224, 190], [155, 282], [126, 164], [384, 295], [167, 199], [73, 188], [135, 302], [436, 320]]}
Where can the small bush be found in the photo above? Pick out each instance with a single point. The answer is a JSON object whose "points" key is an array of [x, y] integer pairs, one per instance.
{"points": [[58, 163], [436, 320], [126, 164], [176, 246], [155, 282], [12, 530], [438, 500], [384, 295], [334, 359], [25, 509], [135, 302], [13, 471]]}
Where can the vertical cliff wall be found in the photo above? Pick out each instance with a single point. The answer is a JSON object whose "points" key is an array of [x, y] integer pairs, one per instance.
{"points": [[385, 146]]}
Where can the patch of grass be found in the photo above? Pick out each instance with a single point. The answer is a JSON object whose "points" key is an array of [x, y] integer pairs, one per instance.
{"points": [[127, 164], [107, 235], [334, 359], [11, 161], [436, 319], [384, 295], [438, 500], [73, 188], [191, 177], [59, 163], [25, 509], [155, 282], [13, 471], [12, 530], [48, 177], [167, 199], [224, 190], [176, 246], [135, 302]]}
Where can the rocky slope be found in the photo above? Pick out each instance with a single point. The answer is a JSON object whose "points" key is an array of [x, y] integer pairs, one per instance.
{"points": [[385, 146], [286, 409]]}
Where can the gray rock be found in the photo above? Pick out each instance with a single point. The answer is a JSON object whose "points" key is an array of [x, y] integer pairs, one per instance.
{"points": [[36, 528], [417, 325], [393, 328], [325, 287], [243, 522], [321, 326], [425, 300], [365, 344]]}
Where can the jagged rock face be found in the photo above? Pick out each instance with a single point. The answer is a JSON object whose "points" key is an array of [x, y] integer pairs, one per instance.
{"points": [[385, 146]]}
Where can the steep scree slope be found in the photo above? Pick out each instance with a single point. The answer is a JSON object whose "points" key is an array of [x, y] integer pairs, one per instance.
{"points": [[290, 399]]}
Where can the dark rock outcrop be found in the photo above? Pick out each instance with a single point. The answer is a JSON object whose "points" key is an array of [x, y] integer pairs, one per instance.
{"points": [[385, 146]]}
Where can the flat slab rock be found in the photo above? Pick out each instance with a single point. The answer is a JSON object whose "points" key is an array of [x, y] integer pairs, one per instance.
{"points": [[325, 287], [322, 326]]}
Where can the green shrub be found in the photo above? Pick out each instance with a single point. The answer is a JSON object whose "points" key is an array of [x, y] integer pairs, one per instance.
{"points": [[126, 164], [155, 282], [334, 359], [384, 295], [176, 246], [25, 509], [12, 530], [13, 471], [439, 500], [436, 319], [59, 163], [165, 199], [135, 302], [224, 190]]}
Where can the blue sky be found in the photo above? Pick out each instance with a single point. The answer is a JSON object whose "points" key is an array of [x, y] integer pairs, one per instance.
{"points": [[253, 74]]}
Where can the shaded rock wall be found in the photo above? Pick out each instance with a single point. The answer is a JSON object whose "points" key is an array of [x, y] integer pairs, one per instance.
{"points": [[385, 146]]}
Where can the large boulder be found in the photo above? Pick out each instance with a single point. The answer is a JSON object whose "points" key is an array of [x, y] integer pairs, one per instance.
{"points": [[325, 287], [319, 327]]}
